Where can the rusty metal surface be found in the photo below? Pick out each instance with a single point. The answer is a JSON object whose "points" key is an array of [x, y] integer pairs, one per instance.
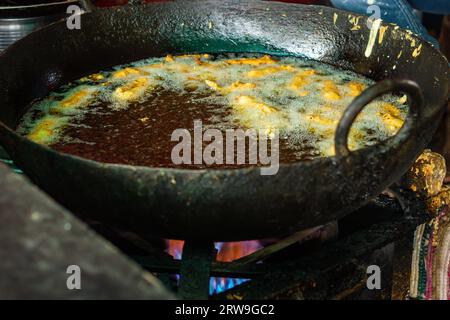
{"points": [[39, 240]]}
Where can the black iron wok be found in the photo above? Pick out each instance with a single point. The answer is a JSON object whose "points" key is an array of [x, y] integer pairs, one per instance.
{"points": [[234, 204]]}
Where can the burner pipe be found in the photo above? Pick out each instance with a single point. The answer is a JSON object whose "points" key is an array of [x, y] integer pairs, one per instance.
{"points": [[195, 270]]}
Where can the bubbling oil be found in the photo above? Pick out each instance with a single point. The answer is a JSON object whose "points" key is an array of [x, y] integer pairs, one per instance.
{"points": [[127, 114]]}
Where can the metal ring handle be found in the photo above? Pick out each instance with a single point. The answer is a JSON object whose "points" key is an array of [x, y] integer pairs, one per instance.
{"points": [[415, 99]]}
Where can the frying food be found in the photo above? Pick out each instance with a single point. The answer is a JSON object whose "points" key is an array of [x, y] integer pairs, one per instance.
{"points": [[127, 114]]}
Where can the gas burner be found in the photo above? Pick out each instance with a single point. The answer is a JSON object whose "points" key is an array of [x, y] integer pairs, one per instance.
{"points": [[319, 263]]}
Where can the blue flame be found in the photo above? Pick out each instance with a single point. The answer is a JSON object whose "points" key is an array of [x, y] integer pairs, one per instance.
{"points": [[218, 285]]}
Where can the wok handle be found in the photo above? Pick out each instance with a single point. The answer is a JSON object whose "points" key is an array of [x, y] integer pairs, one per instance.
{"points": [[415, 99]]}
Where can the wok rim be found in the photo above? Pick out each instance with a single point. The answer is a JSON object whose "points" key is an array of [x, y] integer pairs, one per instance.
{"points": [[385, 144]]}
